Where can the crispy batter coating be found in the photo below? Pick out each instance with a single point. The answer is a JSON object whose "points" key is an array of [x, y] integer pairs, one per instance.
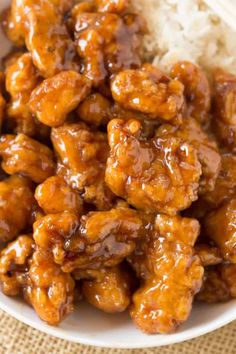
{"points": [[150, 91], [110, 291], [95, 109], [219, 284], [16, 204], [82, 155], [11, 21], [107, 42], [21, 78], [55, 196], [26, 156], [207, 150], [14, 264], [160, 174], [225, 186], [209, 255], [196, 89], [21, 74], [98, 110], [171, 274], [40, 26], [220, 226], [224, 109], [49, 290], [57, 96], [98, 239]]}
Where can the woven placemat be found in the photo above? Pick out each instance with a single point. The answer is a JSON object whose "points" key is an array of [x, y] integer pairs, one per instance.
{"points": [[17, 338]]}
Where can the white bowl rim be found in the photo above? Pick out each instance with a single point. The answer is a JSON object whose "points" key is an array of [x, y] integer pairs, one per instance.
{"points": [[96, 342]]}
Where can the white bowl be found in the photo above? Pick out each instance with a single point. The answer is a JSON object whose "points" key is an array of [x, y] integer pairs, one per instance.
{"points": [[90, 326]]}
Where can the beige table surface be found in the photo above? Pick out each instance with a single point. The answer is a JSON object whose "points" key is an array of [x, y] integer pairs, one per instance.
{"points": [[17, 338]]}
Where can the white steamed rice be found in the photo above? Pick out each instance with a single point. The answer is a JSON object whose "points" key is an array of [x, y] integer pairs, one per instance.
{"points": [[187, 30]]}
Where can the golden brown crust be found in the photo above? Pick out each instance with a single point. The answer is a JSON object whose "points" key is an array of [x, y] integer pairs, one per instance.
{"points": [[170, 271], [206, 148], [149, 91], [107, 42], [14, 264], [26, 25], [82, 154], [98, 239], [16, 204], [21, 78], [57, 96], [55, 196], [27, 157], [196, 89], [224, 109], [160, 174], [48, 289], [110, 291]]}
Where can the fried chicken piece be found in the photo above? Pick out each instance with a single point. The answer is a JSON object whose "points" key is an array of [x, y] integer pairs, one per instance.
{"points": [[98, 239], [57, 96], [55, 232], [171, 274], [150, 91], [14, 264], [27, 157], [16, 204], [224, 109], [49, 290], [207, 150], [160, 174], [107, 42], [209, 255], [82, 155], [219, 284], [220, 226], [21, 74], [21, 78], [48, 41], [98, 110], [110, 290], [55, 196], [11, 23], [225, 186], [95, 109], [196, 89]]}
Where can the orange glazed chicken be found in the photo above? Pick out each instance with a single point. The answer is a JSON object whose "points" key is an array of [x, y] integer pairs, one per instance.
{"points": [[157, 175], [117, 178], [171, 274]]}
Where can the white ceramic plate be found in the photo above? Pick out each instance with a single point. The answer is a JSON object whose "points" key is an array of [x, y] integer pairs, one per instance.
{"points": [[90, 326]]}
